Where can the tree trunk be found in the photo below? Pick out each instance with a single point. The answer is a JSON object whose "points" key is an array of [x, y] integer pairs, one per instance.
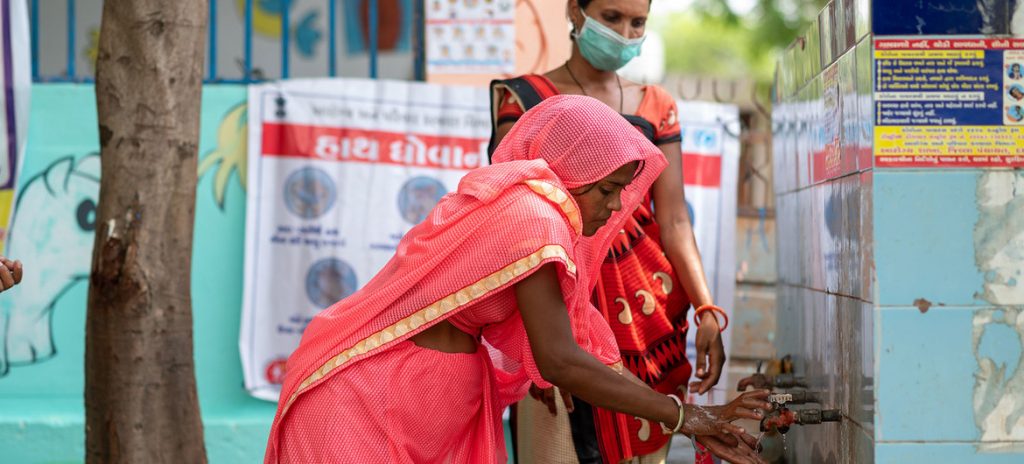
{"points": [[140, 390]]}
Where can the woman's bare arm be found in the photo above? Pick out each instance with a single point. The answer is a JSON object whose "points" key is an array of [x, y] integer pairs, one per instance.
{"points": [[676, 229], [563, 363]]}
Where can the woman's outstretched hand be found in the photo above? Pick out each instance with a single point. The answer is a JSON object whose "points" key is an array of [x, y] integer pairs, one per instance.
{"points": [[715, 420], [712, 426]]}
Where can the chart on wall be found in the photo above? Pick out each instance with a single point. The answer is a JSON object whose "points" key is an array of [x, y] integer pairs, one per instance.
{"points": [[942, 102], [471, 36]]}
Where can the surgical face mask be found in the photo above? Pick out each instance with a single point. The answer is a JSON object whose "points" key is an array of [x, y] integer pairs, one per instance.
{"points": [[605, 48]]}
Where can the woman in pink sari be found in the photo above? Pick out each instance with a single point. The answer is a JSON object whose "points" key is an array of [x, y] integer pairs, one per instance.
{"points": [[489, 293]]}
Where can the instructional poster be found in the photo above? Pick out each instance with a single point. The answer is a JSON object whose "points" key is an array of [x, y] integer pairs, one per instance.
{"points": [[340, 170], [949, 102], [471, 37]]}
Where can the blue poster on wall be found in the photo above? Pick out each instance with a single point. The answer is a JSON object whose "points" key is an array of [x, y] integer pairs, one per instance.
{"points": [[946, 17]]}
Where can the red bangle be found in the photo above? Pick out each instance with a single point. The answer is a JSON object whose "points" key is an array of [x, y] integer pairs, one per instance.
{"points": [[710, 307]]}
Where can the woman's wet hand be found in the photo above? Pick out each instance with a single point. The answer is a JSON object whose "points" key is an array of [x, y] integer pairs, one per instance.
{"points": [[716, 420]]}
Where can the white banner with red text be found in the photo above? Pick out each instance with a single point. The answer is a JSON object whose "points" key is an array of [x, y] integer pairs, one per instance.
{"points": [[711, 154], [339, 171]]}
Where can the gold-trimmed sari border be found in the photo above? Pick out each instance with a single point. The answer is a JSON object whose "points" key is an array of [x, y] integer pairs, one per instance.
{"points": [[435, 310], [560, 198]]}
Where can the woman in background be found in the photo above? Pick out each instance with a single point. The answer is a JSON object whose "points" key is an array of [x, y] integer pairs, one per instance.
{"points": [[653, 272]]}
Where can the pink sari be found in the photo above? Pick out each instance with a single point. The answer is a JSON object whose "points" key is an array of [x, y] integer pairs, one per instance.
{"points": [[356, 390]]}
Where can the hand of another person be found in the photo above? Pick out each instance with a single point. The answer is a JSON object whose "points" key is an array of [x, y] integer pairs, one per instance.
{"points": [[547, 396], [710, 354], [10, 273]]}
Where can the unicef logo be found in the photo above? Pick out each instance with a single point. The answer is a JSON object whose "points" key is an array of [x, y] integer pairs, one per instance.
{"points": [[418, 196], [309, 193], [329, 281]]}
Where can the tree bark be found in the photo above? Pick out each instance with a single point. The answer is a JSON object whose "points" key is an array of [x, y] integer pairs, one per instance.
{"points": [[140, 389]]}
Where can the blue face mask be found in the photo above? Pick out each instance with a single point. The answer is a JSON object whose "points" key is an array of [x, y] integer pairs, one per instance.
{"points": [[604, 48]]}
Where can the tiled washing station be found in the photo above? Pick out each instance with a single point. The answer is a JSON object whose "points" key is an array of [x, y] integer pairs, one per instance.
{"points": [[900, 209]]}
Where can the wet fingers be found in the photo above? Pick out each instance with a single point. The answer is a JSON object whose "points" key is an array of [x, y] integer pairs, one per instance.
{"points": [[745, 413], [752, 403]]}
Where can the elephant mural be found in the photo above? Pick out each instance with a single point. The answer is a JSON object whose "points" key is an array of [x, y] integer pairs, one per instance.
{"points": [[53, 226], [52, 233]]}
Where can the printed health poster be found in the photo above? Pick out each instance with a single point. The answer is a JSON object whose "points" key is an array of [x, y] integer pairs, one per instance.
{"points": [[949, 102], [340, 170]]}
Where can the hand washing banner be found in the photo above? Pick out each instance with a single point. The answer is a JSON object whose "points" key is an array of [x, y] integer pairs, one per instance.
{"points": [[339, 170], [15, 85], [711, 153]]}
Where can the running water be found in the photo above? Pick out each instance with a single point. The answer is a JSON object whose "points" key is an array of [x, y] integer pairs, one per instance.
{"points": [[769, 446]]}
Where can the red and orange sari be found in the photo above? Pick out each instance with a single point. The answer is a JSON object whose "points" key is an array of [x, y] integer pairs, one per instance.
{"points": [[357, 390], [637, 291]]}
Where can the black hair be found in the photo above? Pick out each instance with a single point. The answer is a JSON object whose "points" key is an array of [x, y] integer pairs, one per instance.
{"points": [[583, 189], [584, 3]]}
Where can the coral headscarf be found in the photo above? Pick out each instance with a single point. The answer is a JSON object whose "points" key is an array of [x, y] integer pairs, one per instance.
{"points": [[503, 223]]}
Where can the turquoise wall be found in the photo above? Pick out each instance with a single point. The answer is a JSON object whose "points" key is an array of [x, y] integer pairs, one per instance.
{"points": [[950, 325], [41, 392]]}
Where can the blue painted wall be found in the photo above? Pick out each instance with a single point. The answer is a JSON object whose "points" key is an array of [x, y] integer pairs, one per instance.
{"points": [[951, 329]]}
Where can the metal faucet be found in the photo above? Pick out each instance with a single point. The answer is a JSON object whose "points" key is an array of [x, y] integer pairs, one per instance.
{"points": [[795, 397], [780, 417], [767, 382]]}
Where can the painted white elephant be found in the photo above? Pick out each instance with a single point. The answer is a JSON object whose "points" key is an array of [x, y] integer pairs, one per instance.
{"points": [[52, 233]]}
